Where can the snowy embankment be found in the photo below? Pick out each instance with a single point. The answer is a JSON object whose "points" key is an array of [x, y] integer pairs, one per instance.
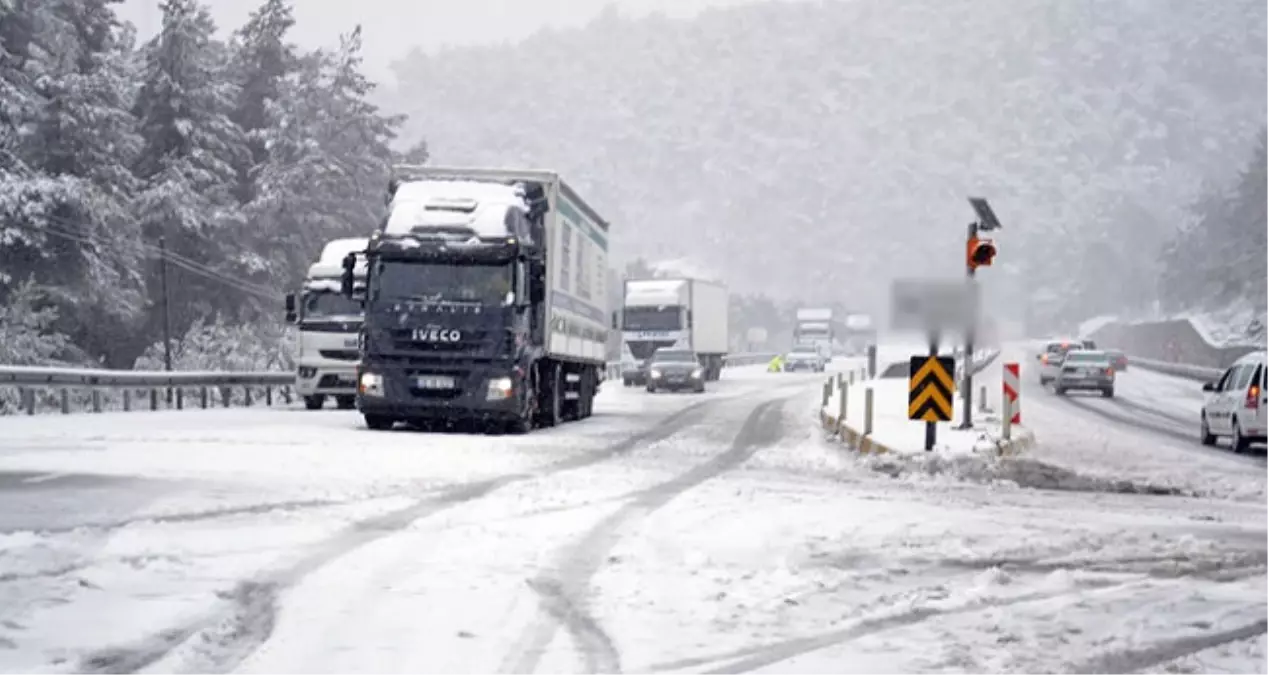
{"points": [[892, 429]]}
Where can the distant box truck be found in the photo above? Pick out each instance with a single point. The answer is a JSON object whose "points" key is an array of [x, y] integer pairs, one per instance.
{"points": [[486, 301], [683, 313], [329, 324], [814, 328]]}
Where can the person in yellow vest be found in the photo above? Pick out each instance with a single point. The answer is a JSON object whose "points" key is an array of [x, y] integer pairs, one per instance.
{"points": [[776, 364]]}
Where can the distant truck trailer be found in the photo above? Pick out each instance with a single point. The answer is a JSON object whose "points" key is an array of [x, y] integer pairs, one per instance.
{"points": [[681, 313]]}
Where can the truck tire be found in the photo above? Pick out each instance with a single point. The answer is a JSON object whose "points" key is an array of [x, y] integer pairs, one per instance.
{"points": [[346, 402], [552, 410], [314, 402], [589, 387], [379, 422]]}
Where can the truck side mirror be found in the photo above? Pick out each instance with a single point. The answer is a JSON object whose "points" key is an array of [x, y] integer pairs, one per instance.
{"points": [[1209, 386], [291, 317], [348, 280]]}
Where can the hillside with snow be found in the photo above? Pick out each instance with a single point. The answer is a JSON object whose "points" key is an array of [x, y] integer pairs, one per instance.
{"points": [[816, 149]]}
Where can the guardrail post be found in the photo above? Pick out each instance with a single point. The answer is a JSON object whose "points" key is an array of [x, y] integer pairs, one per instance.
{"points": [[127, 400], [225, 396], [286, 394], [246, 394], [827, 393], [180, 398], [843, 406], [153, 399], [981, 398], [28, 400], [65, 401], [867, 411], [268, 395], [202, 395], [96, 400]]}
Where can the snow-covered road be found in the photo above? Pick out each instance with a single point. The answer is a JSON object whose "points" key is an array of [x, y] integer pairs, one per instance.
{"points": [[668, 533]]}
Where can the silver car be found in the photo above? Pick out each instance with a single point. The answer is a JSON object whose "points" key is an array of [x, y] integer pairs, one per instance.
{"points": [[1085, 369]]}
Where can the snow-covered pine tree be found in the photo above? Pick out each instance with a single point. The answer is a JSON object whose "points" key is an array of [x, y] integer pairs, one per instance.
{"points": [[188, 167], [85, 134], [328, 157], [263, 59]]}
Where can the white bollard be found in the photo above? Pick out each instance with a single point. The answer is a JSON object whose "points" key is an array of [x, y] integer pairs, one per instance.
{"points": [[981, 399], [867, 412], [844, 403]]}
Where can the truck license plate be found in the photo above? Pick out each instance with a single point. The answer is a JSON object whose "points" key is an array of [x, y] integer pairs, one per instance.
{"points": [[434, 382]]}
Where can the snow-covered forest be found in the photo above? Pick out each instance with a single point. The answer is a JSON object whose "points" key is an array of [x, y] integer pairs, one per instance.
{"points": [[230, 160], [819, 149]]}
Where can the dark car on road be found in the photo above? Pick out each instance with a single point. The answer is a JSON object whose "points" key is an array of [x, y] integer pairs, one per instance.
{"points": [[1117, 359], [675, 370]]}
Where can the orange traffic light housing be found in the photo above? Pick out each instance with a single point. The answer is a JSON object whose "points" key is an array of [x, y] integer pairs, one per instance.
{"points": [[981, 253]]}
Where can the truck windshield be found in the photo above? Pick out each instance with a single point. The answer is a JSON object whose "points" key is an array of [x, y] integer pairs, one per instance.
{"points": [[323, 304], [665, 317], [442, 282]]}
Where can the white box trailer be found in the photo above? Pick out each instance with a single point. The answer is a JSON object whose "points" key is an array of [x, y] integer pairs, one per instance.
{"points": [[690, 313]]}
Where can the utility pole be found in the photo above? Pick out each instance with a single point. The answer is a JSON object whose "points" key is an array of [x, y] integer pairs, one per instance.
{"points": [[167, 313], [970, 329], [978, 253]]}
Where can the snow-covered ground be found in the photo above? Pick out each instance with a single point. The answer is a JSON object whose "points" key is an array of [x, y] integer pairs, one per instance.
{"points": [[716, 533]]}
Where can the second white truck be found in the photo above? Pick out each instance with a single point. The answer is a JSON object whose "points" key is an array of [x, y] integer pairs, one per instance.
{"points": [[681, 313], [329, 324], [814, 328]]}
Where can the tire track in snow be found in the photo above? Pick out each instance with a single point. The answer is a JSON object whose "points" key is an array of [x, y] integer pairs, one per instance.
{"points": [[563, 598], [224, 637], [1148, 657], [759, 656]]}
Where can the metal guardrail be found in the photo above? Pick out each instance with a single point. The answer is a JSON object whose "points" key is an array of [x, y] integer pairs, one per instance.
{"points": [[1187, 371], [111, 388], [208, 388]]}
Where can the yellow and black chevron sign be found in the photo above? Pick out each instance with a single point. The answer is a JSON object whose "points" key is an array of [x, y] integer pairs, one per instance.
{"points": [[930, 389]]}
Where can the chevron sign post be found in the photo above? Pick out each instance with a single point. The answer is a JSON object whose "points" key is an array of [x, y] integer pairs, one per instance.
{"points": [[1012, 402]]}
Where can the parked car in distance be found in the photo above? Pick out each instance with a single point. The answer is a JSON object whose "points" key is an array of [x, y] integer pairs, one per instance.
{"points": [[804, 359], [1085, 370], [1118, 359], [675, 370], [1235, 404]]}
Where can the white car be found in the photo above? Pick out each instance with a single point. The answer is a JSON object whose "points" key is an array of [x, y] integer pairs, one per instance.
{"points": [[1052, 356], [1236, 405]]}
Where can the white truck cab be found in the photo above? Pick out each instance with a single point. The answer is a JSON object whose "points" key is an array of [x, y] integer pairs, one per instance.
{"points": [[329, 329], [1236, 405]]}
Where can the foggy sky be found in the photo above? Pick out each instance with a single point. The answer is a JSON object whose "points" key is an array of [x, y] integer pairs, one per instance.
{"points": [[394, 27]]}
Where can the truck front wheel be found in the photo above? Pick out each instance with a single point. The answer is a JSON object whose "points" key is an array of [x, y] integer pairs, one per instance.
{"points": [[552, 412], [314, 402], [379, 422]]}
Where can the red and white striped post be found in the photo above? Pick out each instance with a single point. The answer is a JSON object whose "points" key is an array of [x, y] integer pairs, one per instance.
{"points": [[1012, 404]]}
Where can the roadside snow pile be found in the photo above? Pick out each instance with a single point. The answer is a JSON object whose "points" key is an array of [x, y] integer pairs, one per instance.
{"points": [[1018, 472], [1238, 324]]}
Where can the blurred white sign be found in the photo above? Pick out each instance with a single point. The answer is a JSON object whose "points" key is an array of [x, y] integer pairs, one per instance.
{"points": [[944, 305], [757, 335]]}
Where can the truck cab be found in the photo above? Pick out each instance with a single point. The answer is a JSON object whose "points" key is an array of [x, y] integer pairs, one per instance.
{"points": [[329, 324]]}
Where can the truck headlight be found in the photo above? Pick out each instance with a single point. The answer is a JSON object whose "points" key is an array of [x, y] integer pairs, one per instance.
{"points": [[306, 372], [655, 374], [370, 384], [698, 373], [500, 389]]}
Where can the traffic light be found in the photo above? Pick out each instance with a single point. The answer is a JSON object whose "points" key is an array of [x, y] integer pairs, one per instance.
{"points": [[981, 252]]}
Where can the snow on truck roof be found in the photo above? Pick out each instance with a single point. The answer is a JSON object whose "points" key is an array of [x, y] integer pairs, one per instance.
{"points": [[335, 250], [655, 292], [478, 205]]}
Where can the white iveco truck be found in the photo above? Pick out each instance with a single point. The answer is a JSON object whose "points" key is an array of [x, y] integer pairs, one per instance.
{"points": [[486, 301], [329, 324], [680, 313]]}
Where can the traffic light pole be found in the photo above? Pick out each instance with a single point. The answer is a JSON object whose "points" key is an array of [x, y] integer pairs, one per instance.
{"points": [[971, 327]]}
